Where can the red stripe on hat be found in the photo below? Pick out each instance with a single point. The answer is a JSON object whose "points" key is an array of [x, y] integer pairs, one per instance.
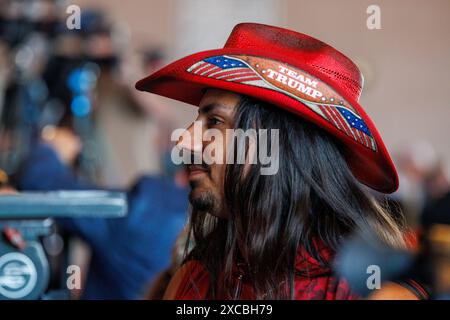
{"points": [[231, 76], [339, 120], [200, 65], [209, 70], [327, 115], [232, 72], [246, 79]]}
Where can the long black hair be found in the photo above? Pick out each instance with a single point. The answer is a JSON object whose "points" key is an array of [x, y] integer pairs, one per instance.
{"points": [[314, 198]]}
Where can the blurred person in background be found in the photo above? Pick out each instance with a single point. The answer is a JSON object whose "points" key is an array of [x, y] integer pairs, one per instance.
{"points": [[68, 122], [27, 28], [125, 127], [415, 162], [58, 76], [437, 182], [424, 180], [433, 263], [127, 253]]}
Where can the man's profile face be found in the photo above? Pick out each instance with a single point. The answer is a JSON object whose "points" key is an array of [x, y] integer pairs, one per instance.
{"points": [[216, 111]]}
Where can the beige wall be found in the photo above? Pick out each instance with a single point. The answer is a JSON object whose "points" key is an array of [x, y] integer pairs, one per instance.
{"points": [[406, 63], [408, 91], [147, 20]]}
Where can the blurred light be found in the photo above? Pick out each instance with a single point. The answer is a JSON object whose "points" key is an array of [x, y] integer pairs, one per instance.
{"points": [[24, 57], [73, 80], [81, 80], [93, 67], [48, 132], [81, 106]]}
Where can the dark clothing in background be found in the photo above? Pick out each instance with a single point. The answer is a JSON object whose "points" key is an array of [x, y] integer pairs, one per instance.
{"points": [[437, 212], [127, 253]]}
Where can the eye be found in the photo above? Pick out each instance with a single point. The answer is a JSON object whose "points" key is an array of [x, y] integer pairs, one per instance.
{"points": [[214, 121]]}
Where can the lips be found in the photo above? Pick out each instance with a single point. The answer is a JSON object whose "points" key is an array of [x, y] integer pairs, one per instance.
{"points": [[194, 169]]}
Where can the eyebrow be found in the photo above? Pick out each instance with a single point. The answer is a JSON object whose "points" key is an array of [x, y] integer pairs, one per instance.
{"points": [[210, 107]]}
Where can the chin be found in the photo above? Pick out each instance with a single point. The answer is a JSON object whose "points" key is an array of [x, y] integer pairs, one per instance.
{"points": [[204, 200]]}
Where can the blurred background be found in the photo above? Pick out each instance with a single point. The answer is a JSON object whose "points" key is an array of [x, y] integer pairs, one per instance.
{"points": [[74, 88]]}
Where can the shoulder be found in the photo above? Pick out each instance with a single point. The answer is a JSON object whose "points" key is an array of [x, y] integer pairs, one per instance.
{"points": [[405, 290]]}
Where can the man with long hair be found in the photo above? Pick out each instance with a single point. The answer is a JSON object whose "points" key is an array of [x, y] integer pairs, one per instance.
{"points": [[275, 236]]}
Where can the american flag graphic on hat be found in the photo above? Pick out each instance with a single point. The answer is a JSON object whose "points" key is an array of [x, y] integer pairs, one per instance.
{"points": [[224, 68], [347, 121], [231, 69]]}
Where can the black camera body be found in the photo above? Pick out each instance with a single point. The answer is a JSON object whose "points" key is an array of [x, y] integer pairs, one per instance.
{"points": [[25, 219]]}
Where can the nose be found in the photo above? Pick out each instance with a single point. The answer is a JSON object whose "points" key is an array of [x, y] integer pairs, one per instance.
{"points": [[191, 139]]}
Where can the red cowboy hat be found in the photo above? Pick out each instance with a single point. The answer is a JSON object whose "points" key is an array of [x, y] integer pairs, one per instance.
{"points": [[293, 71]]}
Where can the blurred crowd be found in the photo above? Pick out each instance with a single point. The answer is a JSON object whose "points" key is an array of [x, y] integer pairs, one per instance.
{"points": [[424, 180], [70, 118], [79, 79]]}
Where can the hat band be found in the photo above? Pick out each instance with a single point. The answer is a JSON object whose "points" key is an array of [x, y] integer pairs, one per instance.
{"points": [[291, 81]]}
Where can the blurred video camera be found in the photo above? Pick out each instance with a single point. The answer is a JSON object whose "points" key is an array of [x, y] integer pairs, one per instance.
{"points": [[26, 219]]}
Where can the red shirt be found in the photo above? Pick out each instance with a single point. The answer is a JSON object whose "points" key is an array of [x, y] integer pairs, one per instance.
{"points": [[192, 282]]}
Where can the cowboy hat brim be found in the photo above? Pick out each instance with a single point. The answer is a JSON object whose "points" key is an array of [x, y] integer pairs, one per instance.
{"points": [[372, 167]]}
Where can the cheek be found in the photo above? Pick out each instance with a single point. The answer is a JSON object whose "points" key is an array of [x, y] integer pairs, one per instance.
{"points": [[218, 174], [228, 148], [215, 146]]}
